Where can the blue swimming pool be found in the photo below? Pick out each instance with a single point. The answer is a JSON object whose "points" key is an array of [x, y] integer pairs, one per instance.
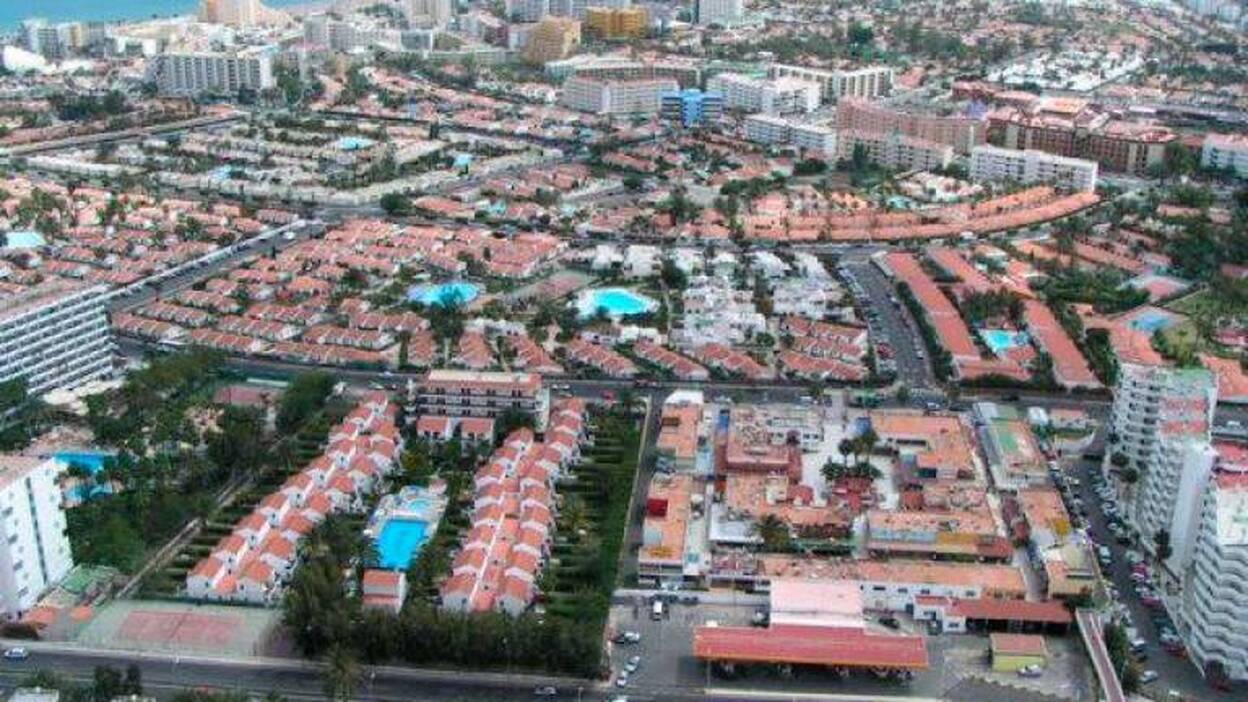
{"points": [[399, 541], [353, 143], [618, 302], [1150, 321], [444, 294], [1002, 340], [93, 461]]}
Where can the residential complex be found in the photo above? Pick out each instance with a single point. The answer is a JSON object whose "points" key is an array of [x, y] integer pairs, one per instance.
{"points": [[991, 163], [612, 96], [779, 96], [779, 131], [616, 23], [867, 83], [1072, 128], [552, 39], [35, 554], [691, 107], [1213, 595], [962, 132], [191, 74], [479, 394], [718, 12], [55, 335], [1227, 152], [1160, 427], [895, 151]]}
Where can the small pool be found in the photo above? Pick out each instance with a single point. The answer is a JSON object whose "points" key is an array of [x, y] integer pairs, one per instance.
{"points": [[93, 461], [462, 161], [221, 173], [23, 240], [445, 294], [1150, 321], [353, 143], [1002, 340], [618, 302], [399, 541]]}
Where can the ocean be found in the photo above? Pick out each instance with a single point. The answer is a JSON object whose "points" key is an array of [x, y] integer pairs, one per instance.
{"points": [[12, 12]]}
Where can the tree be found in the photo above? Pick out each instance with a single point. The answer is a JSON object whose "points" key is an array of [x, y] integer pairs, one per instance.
{"points": [[396, 204], [1161, 542], [304, 397], [342, 672], [774, 533]]}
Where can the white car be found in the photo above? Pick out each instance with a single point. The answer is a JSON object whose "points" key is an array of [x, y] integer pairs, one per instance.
{"points": [[622, 681], [17, 653], [1148, 676], [1030, 671]]}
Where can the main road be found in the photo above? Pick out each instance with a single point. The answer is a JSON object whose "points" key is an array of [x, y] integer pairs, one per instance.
{"points": [[165, 674]]}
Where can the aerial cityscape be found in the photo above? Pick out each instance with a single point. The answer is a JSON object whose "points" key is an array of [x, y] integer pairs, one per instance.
{"points": [[624, 350]]}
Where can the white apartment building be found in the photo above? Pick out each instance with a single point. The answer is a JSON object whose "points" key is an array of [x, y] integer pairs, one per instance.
{"points": [[895, 151], [526, 10], [190, 74], [434, 12], [995, 164], [768, 129], [55, 335], [778, 96], [722, 12], [34, 550], [1215, 593], [868, 82], [1160, 424], [1226, 151], [455, 393], [576, 9], [814, 138], [615, 97]]}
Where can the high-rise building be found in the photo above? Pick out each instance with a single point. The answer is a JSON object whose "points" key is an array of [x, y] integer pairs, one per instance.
{"points": [[692, 107], [438, 13], [992, 163], [552, 39], [816, 139], [962, 132], [606, 96], [1075, 128], [55, 335], [1226, 151], [1214, 569], [866, 82], [189, 74], [34, 550], [526, 10], [1159, 431], [579, 9], [53, 41], [779, 96], [721, 12], [617, 23], [895, 151]]}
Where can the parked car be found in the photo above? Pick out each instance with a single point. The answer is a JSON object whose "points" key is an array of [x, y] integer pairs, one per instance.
{"points": [[633, 664], [545, 691], [17, 653], [890, 622], [1148, 676], [1030, 671]]}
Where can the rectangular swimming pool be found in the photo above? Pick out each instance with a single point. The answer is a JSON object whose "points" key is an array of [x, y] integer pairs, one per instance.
{"points": [[399, 541]]}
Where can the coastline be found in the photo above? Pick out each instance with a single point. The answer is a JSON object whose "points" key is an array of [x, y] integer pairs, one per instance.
{"points": [[71, 11]]}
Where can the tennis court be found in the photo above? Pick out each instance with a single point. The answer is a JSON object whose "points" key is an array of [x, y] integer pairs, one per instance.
{"points": [[177, 626]]}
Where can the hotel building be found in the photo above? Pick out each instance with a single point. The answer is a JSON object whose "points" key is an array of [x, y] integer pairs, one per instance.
{"points": [[55, 335]]}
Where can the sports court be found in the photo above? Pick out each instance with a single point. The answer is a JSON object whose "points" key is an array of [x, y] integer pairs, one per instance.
{"points": [[176, 626]]}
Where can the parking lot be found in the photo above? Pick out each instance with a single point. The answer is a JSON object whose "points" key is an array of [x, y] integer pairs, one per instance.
{"points": [[889, 323]]}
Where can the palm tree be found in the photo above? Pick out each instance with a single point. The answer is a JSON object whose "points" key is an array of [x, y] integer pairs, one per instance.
{"points": [[342, 672], [845, 448], [773, 531]]}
